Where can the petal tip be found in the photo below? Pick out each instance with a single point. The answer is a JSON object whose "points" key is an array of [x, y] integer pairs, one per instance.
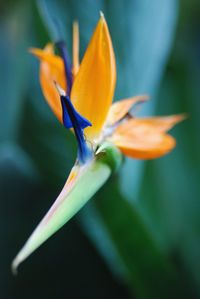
{"points": [[182, 117], [36, 52], [59, 89], [101, 15], [39, 53], [144, 97], [33, 51]]}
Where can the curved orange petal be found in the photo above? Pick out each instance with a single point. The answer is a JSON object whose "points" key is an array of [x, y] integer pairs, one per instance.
{"points": [[75, 49], [163, 123], [119, 109], [146, 138], [51, 69], [94, 84]]}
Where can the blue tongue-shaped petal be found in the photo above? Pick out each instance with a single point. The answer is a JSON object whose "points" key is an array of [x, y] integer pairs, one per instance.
{"points": [[68, 73], [82, 121], [72, 119]]}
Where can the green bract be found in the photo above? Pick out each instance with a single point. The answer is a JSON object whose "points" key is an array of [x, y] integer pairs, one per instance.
{"points": [[91, 177]]}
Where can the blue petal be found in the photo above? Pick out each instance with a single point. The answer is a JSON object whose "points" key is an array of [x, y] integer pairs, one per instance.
{"points": [[82, 121], [72, 119], [67, 65]]}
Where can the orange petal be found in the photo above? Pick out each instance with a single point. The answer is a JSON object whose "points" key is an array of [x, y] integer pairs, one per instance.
{"points": [[94, 85], [163, 123], [146, 138], [51, 69], [119, 109], [75, 49]]}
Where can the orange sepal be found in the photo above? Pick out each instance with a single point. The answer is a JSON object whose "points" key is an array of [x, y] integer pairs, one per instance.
{"points": [[119, 109], [51, 69], [75, 48], [146, 138], [94, 84]]}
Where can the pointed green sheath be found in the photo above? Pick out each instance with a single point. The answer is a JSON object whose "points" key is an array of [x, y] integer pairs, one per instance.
{"points": [[84, 181]]}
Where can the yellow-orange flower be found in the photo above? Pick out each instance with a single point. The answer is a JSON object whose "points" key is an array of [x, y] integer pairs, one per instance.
{"points": [[92, 94]]}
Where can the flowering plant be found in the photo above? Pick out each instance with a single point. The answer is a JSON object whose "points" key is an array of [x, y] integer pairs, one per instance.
{"points": [[81, 98]]}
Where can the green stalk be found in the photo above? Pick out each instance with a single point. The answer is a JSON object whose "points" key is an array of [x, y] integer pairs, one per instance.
{"points": [[90, 179]]}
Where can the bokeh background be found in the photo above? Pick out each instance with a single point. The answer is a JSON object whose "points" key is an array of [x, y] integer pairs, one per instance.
{"points": [[139, 237]]}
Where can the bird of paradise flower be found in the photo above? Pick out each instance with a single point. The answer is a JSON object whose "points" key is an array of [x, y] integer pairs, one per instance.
{"points": [[81, 98]]}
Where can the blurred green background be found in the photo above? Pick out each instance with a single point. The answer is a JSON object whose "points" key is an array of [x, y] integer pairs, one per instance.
{"points": [[140, 236]]}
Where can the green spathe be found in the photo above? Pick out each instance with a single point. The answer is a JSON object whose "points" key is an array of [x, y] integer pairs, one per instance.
{"points": [[93, 174]]}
